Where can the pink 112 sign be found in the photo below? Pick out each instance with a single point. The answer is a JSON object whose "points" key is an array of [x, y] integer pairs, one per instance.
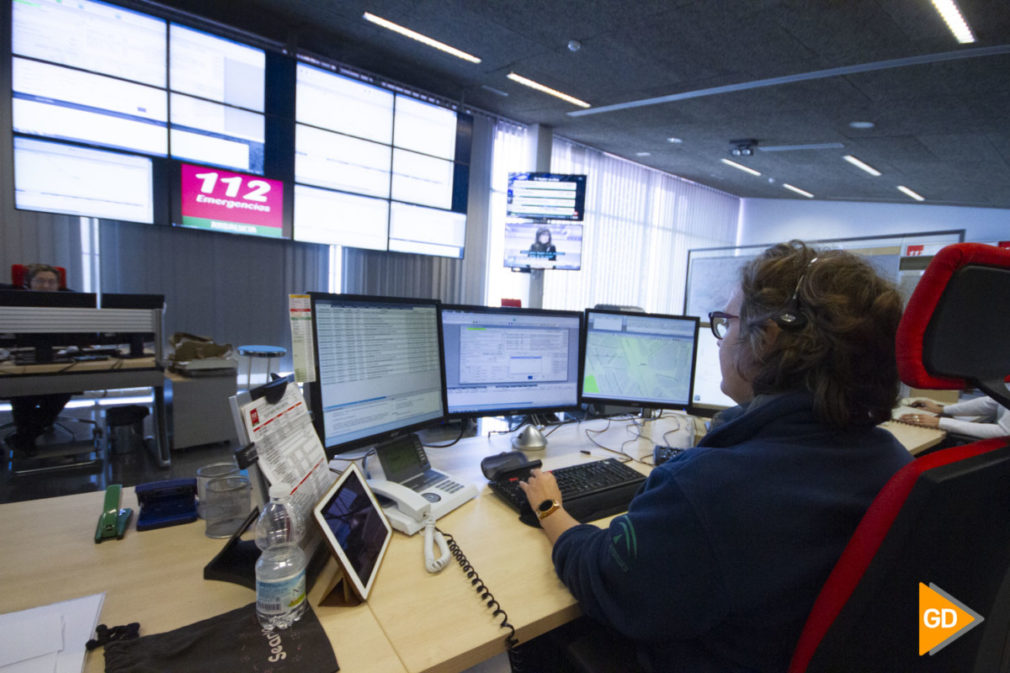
{"points": [[221, 200]]}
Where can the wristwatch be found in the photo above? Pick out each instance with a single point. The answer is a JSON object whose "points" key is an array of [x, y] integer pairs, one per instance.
{"points": [[546, 508]]}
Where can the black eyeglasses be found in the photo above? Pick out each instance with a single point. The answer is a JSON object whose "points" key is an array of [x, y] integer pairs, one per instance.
{"points": [[719, 322]]}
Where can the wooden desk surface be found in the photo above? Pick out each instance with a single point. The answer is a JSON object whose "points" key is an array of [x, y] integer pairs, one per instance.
{"points": [[437, 623], [152, 577], [913, 437]]}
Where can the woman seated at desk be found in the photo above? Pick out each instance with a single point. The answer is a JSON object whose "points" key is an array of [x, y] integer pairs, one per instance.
{"points": [[993, 417], [722, 553]]}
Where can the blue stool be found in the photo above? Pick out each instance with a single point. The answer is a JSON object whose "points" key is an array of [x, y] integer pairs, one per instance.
{"points": [[268, 352]]}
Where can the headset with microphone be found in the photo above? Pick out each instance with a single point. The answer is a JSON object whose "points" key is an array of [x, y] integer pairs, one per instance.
{"points": [[790, 317]]}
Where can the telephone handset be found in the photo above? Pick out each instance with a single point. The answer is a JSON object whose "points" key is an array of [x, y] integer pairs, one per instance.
{"points": [[412, 509]]}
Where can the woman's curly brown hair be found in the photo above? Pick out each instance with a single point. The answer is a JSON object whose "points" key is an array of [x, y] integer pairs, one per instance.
{"points": [[843, 353]]}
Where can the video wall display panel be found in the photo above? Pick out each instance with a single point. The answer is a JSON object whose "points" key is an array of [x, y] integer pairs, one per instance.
{"points": [[357, 138], [426, 231], [59, 178], [337, 218], [57, 102], [218, 200], [343, 104], [91, 36], [352, 159], [216, 69], [341, 162]]}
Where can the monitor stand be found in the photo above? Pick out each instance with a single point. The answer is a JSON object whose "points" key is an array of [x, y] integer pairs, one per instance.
{"points": [[529, 439]]}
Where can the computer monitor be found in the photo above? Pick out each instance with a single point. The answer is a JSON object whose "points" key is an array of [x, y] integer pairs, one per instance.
{"points": [[638, 359], [378, 368], [708, 397], [508, 361]]}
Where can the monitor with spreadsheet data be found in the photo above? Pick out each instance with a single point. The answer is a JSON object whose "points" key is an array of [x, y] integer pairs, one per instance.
{"points": [[378, 368], [638, 359], [503, 361]]}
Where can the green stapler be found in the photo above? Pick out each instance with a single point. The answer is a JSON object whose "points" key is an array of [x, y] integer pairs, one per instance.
{"points": [[113, 520]]}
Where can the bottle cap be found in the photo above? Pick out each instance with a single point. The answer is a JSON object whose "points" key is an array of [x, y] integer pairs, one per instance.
{"points": [[279, 490]]}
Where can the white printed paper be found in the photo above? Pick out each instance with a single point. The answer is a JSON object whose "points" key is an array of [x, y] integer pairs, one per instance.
{"points": [[300, 313], [288, 448]]}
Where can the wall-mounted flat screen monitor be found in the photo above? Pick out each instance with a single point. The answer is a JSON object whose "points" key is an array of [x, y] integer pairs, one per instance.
{"points": [[426, 231], [378, 368], [501, 361], [92, 36], [708, 395], [218, 200], [543, 245], [638, 359], [547, 196], [67, 104], [58, 178], [338, 218]]}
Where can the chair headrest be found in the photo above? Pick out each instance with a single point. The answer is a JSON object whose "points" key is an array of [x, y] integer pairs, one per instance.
{"points": [[953, 333]]}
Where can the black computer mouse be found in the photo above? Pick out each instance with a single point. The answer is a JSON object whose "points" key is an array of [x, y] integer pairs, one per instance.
{"points": [[507, 461]]}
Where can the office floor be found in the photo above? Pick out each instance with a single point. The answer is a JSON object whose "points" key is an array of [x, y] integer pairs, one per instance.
{"points": [[133, 467]]}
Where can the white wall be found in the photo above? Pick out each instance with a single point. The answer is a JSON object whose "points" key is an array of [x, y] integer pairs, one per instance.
{"points": [[774, 220]]}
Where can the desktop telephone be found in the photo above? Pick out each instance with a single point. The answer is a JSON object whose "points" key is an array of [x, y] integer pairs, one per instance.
{"points": [[416, 495]]}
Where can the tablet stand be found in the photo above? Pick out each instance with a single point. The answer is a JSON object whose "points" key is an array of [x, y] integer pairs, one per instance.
{"points": [[339, 591]]}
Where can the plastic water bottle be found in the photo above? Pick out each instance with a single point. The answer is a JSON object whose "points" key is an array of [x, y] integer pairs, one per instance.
{"points": [[280, 570]]}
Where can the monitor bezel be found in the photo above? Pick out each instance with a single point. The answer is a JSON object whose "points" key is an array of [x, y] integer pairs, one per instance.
{"points": [[643, 404], [704, 409], [315, 396], [513, 310]]}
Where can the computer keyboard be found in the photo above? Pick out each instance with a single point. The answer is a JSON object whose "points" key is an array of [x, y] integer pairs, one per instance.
{"points": [[589, 491]]}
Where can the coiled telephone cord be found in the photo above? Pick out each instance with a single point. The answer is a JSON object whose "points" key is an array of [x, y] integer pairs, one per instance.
{"points": [[485, 594]]}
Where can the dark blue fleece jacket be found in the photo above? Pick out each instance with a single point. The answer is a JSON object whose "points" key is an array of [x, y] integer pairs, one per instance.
{"points": [[723, 551]]}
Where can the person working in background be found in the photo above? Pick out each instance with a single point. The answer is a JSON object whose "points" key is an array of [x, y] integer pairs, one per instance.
{"points": [[723, 551], [994, 418], [35, 414]]}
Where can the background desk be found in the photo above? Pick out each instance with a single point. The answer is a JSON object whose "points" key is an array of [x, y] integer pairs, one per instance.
{"points": [[154, 577], [112, 374]]}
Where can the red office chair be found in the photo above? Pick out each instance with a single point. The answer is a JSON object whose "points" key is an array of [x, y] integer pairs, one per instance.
{"points": [[943, 519], [19, 271]]}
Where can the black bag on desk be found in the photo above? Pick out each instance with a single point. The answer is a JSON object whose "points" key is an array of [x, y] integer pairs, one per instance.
{"points": [[233, 641]]}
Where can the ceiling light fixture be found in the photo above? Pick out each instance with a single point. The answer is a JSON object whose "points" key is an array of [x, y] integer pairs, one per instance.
{"points": [[861, 125], [744, 147], [799, 191], [643, 154], [423, 39], [741, 167], [546, 89], [909, 193], [862, 165], [675, 141], [951, 15]]}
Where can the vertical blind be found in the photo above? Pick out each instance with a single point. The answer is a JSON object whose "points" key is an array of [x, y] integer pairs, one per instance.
{"points": [[639, 225], [510, 155]]}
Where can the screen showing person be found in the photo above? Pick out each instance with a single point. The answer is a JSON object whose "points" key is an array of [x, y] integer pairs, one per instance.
{"points": [[536, 245]]}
